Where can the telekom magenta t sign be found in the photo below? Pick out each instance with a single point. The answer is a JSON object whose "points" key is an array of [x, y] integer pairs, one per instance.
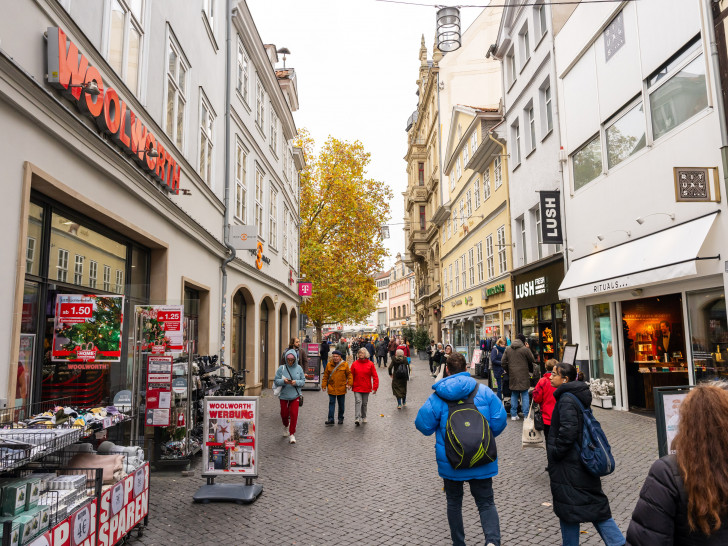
{"points": [[305, 289]]}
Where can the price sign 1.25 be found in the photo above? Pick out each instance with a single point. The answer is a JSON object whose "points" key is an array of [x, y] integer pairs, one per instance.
{"points": [[168, 316]]}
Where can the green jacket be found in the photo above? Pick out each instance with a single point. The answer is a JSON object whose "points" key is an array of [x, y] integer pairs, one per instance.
{"points": [[342, 347]]}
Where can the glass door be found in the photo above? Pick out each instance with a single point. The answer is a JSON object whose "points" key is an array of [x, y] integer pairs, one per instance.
{"points": [[601, 348]]}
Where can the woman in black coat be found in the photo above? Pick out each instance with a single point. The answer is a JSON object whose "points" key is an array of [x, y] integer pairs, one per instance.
{"points": [[577, 494], [664, 513]]}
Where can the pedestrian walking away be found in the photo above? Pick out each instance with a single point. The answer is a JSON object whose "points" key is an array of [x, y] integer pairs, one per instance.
{"points": [[577, 494], [684, 500], [381, 352], [436, 358], [544, 394], [496, 358], [435, 416], [392, 347], [336, 381], [399, 372], [518, 362], [290, 378], [369, 346], [324, 355], [365, 380]]}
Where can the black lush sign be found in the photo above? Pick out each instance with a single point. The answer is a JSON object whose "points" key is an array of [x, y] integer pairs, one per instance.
{"points": [[551, 218]]}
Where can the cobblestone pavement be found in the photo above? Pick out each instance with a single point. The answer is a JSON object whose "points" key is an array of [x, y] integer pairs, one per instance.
{"points": [[378, 485]]}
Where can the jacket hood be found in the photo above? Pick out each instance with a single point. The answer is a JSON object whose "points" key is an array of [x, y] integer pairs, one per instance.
{"points": [[400, 359], [517, 344], [578, 389], [291, 352], [501, 349], [455, 387]]}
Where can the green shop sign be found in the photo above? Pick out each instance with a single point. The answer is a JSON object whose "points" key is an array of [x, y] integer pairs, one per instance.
{"points": [[497, 289]]}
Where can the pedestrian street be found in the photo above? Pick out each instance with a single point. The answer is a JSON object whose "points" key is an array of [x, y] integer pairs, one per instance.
{"points": [[377, 484]]}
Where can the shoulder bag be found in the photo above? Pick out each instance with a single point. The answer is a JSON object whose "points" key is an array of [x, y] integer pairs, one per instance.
{"points": [[300, 396]]}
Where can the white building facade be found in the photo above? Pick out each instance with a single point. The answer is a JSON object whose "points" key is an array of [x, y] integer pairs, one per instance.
{"points": [[645, 218], [123, 192]]}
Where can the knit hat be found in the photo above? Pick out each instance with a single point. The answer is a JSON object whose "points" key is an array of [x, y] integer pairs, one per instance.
{"points": [[338, 353]]}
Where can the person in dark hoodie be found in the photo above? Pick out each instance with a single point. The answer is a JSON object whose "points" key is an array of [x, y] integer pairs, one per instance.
{"points": [[324, 355], [432, 417], [496, 357], [518, 362], [577, 494], [684, 501]]}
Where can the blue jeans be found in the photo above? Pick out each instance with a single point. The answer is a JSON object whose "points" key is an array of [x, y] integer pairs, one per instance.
{"points": [[332, 404], [401, 401], [498, 373], [482, 491], [608, 530], [514, 402]]}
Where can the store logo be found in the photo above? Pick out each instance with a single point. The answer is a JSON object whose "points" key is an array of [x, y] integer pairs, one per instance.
{"points": [[497, 289], [531, 288], [86, 353], [69, 72], [609, 285]]}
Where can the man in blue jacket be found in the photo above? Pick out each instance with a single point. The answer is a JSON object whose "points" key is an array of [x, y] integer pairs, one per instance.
{"points": [[432, 417]]}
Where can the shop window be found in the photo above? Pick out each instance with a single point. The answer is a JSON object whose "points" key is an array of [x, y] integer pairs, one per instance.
{"points": [[35, 233], [119, 286], [192, 317], [626, 135], [125, 40], [677, 90], [508, 324], [601, 348], [177, 70], [587, 162], [529, 327], [708, 334]]}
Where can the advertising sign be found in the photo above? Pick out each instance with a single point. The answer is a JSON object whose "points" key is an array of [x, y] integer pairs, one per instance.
{"points": [[230, 442], [162, 328], [313, 369], [159, 390], [305, 289], [244, 237], [87, 330], [463, 350], [667, 414], [476, 358], [78, 529], [551, 218], [123, 507]]}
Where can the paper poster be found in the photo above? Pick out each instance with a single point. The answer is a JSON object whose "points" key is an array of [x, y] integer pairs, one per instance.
{"points": [[671, 404], [88, 330], [476, 358], [230, 435], [159, 390], [312, 371], [162, 328]]}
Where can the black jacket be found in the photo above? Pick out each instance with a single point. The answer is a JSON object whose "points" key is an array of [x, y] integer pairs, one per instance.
{"points": [[324, 352], [578, 495], [661, 514]]}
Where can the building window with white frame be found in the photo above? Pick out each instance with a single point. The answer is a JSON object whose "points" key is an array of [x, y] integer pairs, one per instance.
{"points": [[243, 83], [511, 72], [463, 271], [62, 265], [502, 255], [476, 192], [207, 119], [177, 70], [126, 31], [462, 211], [469, 203], [107, 278], [587, 162], [259, 184], [444, 278], [489, 257], [465, 154], [531, 128], [78, 270], [208, 8], [547, 109], [486, 183], [471, 265], [479, 255], [516, 135], [457, 276], [541, 18], [93, 273], [259, 104], [273, 131], [452, 293], [285, 233], [119, 286], [539, 240], [273, 224], [474, 141], [241, 182], [525, 45], [625, 135], [458, 169], [497, 172], [522, 226], [30, 255]]}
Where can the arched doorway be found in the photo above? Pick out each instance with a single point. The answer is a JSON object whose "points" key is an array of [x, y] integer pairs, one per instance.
{"points": [[293, 324], [267, 340], [242, 350], [283, 336]]}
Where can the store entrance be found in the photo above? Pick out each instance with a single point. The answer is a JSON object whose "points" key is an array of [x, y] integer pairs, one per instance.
{"points": [[654, 347]]}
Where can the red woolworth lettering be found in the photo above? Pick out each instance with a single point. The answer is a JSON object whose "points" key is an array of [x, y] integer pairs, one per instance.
{"points": [[91, 105], [72, 66], [175, 178], [148, 145], [110, 120], [138, 137], [121, 136], [159, 169]]}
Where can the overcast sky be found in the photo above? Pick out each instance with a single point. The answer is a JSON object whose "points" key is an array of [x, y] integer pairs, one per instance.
{"points": [[356, 63]]}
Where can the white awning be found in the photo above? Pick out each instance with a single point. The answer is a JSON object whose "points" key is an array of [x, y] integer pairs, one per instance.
{"points": [[669, 254]]}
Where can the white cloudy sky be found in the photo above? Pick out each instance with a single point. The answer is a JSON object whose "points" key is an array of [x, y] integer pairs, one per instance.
{"points": [[357, 63]]}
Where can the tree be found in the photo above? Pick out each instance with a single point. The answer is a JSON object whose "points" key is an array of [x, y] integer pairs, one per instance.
{"points": [[341, 244]]}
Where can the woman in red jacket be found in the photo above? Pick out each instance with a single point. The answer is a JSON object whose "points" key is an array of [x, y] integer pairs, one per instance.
{"points": [[544, 394], [366, 380]]}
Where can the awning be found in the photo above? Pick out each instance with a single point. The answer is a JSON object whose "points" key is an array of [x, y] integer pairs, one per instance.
{"points": [[666, 255]]}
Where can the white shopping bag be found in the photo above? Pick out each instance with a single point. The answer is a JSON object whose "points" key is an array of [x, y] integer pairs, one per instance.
{"points": [[530, 436]]}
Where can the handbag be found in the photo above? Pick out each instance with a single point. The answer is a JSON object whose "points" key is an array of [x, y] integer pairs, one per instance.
{"points": [[537, 417], [530, 436], [277, 390], [300, 396]]}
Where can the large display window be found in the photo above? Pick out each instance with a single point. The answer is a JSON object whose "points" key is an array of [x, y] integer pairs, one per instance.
{"points": [[546, 329], [708, 333], [68, 254]]}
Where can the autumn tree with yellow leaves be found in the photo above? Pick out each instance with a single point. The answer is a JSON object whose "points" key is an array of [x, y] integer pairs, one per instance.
{"points": [[341, 244]]}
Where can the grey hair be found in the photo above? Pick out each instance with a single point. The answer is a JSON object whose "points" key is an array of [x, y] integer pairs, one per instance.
{"points": [[363, 350], [399, 352]]}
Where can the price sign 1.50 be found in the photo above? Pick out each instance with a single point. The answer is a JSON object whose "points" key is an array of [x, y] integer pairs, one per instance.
{"points": [[76, 310]]}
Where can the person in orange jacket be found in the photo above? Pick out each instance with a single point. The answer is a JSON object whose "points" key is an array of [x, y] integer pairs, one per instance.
{"points": [[337, 380], [366, 380]]}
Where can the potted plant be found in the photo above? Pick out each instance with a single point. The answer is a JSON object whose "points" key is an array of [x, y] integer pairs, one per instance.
{"points": [[421, 341], [602, 392]]}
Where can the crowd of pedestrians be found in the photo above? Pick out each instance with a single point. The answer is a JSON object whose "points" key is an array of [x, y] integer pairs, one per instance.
{"points": [[684, 499]]}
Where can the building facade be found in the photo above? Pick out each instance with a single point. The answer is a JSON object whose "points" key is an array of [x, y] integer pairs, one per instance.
{"points": [[401, 297], [525, 46], [382, 281], [640, 124], [116, 180]]}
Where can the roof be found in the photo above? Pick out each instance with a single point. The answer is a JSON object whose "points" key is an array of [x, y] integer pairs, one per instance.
{"points": [[480, 108]]}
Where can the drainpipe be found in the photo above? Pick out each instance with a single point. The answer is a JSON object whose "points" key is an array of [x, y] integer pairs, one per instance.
{"points": [[226, 198], [715, 65]]}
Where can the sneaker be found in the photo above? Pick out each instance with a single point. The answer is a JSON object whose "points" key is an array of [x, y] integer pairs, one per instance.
{"points": [[399, 406], [514, 418], [286, 434], [404, 404], [341, 421], [364, 420], [329, 422], [356, 422], [292, 439]]}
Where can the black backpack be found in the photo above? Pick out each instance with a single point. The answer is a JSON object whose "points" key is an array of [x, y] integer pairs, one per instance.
{"points": [[469, 441], [401, 371]]}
